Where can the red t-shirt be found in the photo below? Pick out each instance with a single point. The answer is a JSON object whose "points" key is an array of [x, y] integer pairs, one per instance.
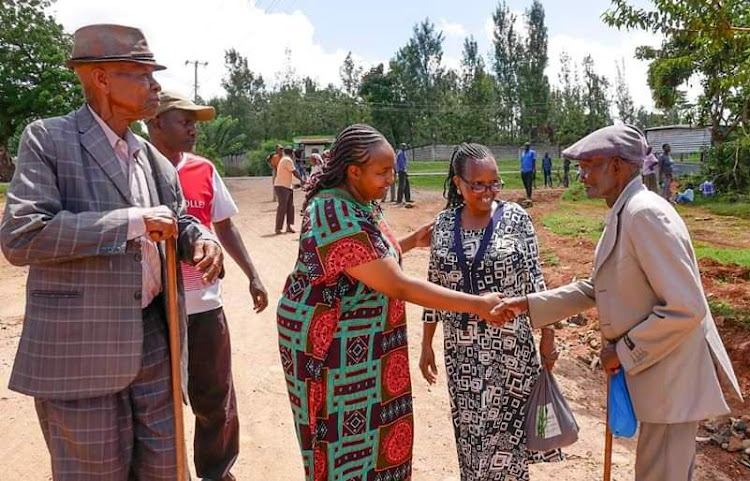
{"points": [[208, 200]]}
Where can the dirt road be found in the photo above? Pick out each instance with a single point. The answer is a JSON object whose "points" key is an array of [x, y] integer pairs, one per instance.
{"points": [[268, 444]]}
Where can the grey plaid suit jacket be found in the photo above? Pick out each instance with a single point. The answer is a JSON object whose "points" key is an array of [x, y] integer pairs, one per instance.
{"points": [[65, 217]]}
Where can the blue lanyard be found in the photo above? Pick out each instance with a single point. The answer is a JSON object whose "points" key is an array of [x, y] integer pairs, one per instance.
{"points": [[470, 283]]}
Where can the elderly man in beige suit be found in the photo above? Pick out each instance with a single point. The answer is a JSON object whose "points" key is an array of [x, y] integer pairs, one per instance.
{"points": [[653, 312]]}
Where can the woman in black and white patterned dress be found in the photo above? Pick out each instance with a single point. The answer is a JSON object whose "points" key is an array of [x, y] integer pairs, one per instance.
{"points": [[481, 244]]}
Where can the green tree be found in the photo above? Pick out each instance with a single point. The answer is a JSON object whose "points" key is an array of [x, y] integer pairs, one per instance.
{"points": [[710, 40], [351, 76], [218, 138], [533, 84], [384, 97], [702, 37], [246, 97], [567, 107], [508, 50], [417, 69], [34, 81], [623, 100], [595, 96], [476, 112]]}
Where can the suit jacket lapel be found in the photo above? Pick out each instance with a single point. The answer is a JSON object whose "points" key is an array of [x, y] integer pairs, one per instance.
{"points": [[150, 173], [96, 144], [608, 240]]}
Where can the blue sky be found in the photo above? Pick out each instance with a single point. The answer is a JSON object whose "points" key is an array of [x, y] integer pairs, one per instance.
{"points": [[376, 29], [319, 33]]}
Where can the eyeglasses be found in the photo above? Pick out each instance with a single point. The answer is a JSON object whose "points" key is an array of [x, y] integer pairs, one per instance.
{"points": [[479, 187]]}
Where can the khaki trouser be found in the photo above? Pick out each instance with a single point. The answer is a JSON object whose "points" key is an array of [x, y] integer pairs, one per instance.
{"points": [[666, 452]]}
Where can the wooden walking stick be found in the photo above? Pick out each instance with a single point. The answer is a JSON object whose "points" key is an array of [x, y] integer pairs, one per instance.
{"points": [[173, 322], [607, 442]]}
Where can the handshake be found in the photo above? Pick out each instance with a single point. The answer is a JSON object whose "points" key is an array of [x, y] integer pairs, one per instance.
{"points": [[496, 309]]}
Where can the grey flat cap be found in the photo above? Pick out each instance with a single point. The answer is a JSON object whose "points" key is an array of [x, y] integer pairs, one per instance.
{"points": [[621, 140]]}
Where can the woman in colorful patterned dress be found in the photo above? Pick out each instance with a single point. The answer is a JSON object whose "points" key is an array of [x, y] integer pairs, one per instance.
{"points": [[342, 325], [483, 245]]}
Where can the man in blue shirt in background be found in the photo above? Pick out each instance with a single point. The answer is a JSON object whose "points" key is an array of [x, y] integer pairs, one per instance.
{"points": [[547, 168], [403, 177], [528, 166]]}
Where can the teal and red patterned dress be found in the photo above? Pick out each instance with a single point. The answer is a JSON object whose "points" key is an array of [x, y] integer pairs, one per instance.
{"points": [[343, 348]]}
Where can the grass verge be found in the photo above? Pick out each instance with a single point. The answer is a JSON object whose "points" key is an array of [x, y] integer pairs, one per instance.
{"points": [[723, 255], [720, 307]]}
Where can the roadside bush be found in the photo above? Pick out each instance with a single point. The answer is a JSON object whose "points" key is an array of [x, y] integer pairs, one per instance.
{"points": [[728, 164], [256, 159]]}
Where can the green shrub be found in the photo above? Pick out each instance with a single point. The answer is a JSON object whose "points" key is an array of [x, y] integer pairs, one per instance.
{"points": [[257, 164]]}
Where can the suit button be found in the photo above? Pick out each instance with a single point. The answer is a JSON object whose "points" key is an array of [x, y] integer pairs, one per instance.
{"points": [[138, 257], [138, 295]]}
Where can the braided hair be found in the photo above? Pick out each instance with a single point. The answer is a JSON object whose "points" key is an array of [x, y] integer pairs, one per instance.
{"points": [[352, 146], [463, 153]]}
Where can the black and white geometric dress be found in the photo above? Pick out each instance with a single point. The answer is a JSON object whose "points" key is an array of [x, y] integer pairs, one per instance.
{"points": [[490, 370]]}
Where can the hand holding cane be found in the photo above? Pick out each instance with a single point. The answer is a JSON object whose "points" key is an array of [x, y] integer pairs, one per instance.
{"points": [[173, 321]]}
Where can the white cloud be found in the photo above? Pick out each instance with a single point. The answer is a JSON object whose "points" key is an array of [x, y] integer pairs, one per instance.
{"points": [[453, 63], [606, 57], [194, 30], [451, 29]]}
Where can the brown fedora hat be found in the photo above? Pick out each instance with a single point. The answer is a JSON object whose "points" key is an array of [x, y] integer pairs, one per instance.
{"points": [[110, 43]]}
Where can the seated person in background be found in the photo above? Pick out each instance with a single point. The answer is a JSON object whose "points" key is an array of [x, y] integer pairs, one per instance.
{"points": [[687, 196], [707, 188]]}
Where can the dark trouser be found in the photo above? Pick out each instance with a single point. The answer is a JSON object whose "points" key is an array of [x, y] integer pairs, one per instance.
{"points": [[121, 436], [548, 178], [273, 182], [528, 181], [285, 209], [211, 391], [403, 187], [566, 178]]}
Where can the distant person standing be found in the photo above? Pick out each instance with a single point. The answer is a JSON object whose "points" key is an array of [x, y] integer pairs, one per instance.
{"points": [[528, 166], [547, 168], [299, 161], [566, 172], [404, 192], [273, 161], [665, 171], [392, 190], [285, 174], [650, 171]]}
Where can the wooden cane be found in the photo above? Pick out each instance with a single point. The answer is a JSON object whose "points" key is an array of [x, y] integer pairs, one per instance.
{"points": [[607, 442], [173, 322]]}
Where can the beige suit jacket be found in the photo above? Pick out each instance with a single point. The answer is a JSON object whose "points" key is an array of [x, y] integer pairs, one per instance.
{"points": [[647, 289]]}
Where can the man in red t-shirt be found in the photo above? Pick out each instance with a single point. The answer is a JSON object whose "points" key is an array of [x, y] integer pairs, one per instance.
{"points": [[210, 385]]}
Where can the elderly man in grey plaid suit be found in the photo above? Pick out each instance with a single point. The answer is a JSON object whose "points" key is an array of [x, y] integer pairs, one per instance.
{"points": [[86, 210]]}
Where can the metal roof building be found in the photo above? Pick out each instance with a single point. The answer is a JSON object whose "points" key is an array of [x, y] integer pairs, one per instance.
{"points": [[684, 139]]}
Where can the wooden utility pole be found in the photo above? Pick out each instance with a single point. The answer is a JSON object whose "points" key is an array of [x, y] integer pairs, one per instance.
{"points": [[195, 63]]}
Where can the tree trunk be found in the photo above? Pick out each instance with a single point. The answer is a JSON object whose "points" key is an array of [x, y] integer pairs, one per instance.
{"points": [[6, 166]]}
